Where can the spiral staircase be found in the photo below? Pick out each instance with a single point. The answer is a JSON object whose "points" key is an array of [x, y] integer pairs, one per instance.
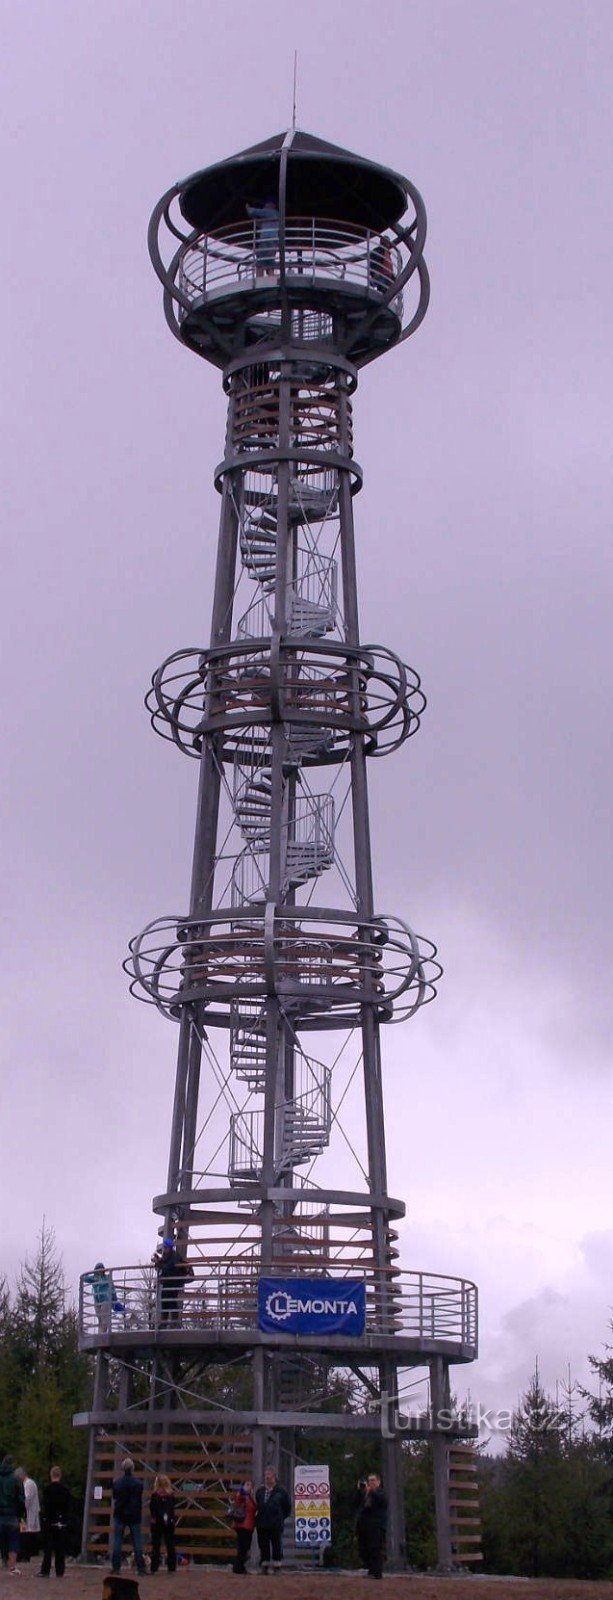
{"points": [[308, 826]]}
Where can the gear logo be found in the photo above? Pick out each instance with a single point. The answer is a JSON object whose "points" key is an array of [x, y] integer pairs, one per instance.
{"points": [[279, 1305]]}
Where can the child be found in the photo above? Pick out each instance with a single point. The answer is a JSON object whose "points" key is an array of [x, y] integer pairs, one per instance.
{"points": [[162, 1514]]}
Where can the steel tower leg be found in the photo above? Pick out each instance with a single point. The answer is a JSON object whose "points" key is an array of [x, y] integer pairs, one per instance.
{"points": [[98, 1399], [440, 1403]]}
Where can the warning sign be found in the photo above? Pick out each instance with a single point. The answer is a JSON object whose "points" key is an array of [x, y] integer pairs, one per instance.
{"points": [[312, 1505]]}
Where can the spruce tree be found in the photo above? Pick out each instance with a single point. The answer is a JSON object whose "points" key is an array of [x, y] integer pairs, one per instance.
{"points": [[535, 1500], [9, 1374], [38, 1313], [43, 1379], [600, 1405]]}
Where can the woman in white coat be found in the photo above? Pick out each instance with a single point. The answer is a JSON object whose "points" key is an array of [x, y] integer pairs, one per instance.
{"points": [[30, 1529]]}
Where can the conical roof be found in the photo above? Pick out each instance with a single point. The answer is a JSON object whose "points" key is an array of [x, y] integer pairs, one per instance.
{"points": [[323, 180]]}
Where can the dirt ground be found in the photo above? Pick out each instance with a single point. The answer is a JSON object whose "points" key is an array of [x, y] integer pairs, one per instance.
{"points": [[213, 1583]]}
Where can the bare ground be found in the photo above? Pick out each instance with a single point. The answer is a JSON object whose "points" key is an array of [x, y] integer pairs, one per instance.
{"points": [[214, 1583]]}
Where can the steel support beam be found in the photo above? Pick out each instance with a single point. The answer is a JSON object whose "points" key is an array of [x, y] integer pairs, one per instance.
{"points": [[440, 1404]]}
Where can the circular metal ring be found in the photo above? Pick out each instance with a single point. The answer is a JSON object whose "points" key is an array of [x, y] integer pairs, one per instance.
{"points": [[323, 967], [365, 691]]}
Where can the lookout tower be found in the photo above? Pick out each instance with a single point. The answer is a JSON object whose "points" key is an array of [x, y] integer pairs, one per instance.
{"points": [[290, 1318]]}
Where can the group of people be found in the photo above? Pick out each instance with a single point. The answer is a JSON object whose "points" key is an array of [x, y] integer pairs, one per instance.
{"points": [[173, 1273], [24, 1518], [264, 1510], [128, 1513]]}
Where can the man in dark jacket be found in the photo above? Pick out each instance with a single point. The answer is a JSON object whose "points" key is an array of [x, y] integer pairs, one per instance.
{"points": [[371, 1522], [173, 1273], [273, 1505], [127, 1513], [56, 1512], [12, 1512]]}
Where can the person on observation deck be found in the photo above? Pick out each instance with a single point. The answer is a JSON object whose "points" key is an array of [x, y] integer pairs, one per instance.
{"points": [[381, 266], [266, 235], [103, 1294], [173, 1273]]}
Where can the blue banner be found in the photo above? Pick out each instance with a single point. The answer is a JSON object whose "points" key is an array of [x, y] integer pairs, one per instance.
{"points": [[311, 1305]]}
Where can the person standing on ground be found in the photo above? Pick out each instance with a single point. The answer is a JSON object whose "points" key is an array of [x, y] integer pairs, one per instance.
{"points": [[28, 1544], [243, 1517], [371, 1522], [127, 1513], [162, 1514], [56, 1513], [273, 1505], [12, 1512]]}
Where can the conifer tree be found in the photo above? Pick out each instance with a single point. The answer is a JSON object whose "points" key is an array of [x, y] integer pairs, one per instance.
{"points": [[533, 1483], [9, 1373], [39, 1309], [43, 1379], [600, 1405]]}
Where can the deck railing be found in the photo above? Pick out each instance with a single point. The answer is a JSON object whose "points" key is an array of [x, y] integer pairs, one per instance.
{"points": [[222, 1295], [315, 251]]}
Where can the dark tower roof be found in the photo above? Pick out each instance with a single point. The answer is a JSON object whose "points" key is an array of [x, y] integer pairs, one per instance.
{"points": [[322, 181]]}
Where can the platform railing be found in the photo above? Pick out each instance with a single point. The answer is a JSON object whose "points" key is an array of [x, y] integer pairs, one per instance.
{"points": [[222, 1294], [326, 962], [315, 251], [366, 690]]}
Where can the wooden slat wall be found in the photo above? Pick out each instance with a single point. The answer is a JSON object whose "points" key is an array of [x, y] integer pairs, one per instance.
{"points": [[204, 1470], [464, 1506]]}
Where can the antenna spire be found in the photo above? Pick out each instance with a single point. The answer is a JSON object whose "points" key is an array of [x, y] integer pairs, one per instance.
{"points": [[295, 81]]}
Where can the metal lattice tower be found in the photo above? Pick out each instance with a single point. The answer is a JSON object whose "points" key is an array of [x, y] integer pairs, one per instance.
{"points": [[291, 266]]}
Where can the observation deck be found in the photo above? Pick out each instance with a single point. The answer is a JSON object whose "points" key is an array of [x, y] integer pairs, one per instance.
{"points": [[339, 262], [329, 270], [415, 1314]]}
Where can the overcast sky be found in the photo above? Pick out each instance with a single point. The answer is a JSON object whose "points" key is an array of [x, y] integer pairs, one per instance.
{"points": [[485, 560]]}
